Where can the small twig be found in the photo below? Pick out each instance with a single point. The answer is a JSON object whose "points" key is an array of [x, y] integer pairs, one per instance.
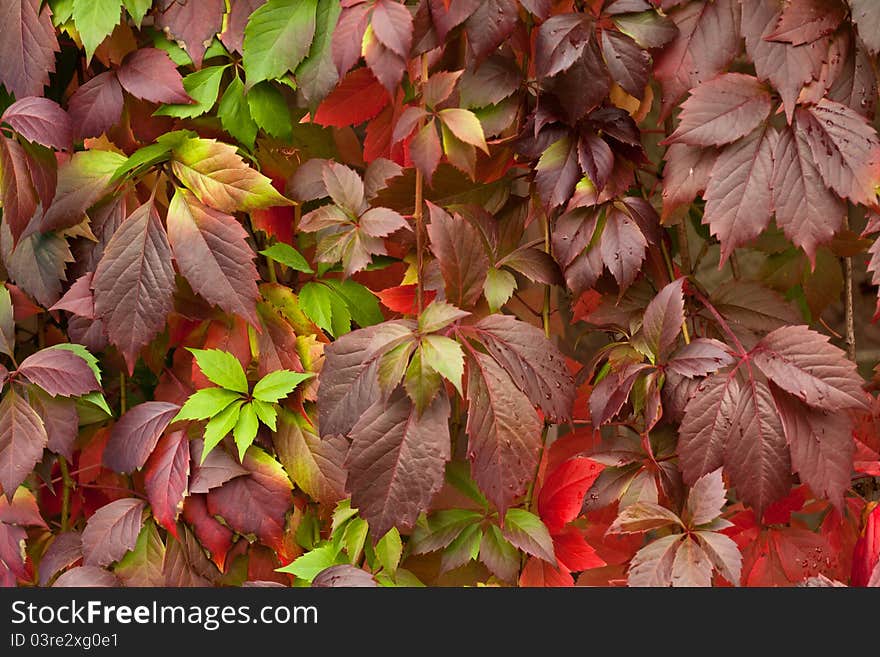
{"points": [[848, 303], [122, 395], [65, 494], [734, 266]]}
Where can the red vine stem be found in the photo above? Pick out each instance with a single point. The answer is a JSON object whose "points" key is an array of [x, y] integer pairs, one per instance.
{"points": [[721, 322]]}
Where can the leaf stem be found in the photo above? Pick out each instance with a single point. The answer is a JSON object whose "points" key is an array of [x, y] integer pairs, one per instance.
{"points": [[721, 322], [270, 264], [65, 494]]}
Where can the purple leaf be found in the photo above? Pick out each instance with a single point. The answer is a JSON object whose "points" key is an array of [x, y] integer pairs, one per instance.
{"points": [[59, 372], [134, 436], [22, 439], [112, 531], [40, 120], [149, 74]]}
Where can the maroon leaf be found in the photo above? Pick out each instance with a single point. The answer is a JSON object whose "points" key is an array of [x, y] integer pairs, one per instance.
{"points": [[787, 67], [165, 478], [134, 436], [212, 253], [534, 364], [663, 319], [257, 503], [738, 194], [560, 42], [22, 439], [386, 65], [344, 575], [557, 172], [706, 498], [756, 455], [596, 159], [707, 40], [36, 264], [27, 47], [17, 192], [856, 81], [218, 468], [192, 23], [381, 222], [845, 148], [59, 372], [425, 150], [233, 36], [685, 175], [40, 120], [185, 563], [277, 344], [706, 425], [78, 299], [22, 511], [808, 20], [628, 64], [583, 86], [112, 531], [349, 379], [610, 394], [64, 551], [87, 577], [315, 465], [134, 282], [806, 211], [803, 363], [82, 181], [722, 110], [821, 446], [13, 541], [96, 106], [393, 25], [60, 418], [622, 247], [149, 74], [348, 36], [504, 432], [699, 358], [459, 249], [397, 460], [215, 536], [492, 22]]}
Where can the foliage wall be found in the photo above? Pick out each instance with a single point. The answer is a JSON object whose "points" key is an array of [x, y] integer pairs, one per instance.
{"points": [[442, 292]]}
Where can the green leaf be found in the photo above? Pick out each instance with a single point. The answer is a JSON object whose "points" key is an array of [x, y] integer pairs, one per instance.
{"points": [[203, 87], [267, 413], [440, 529], [465, 548], [444, 355], [277, 38], [246, 428], [269, 110], [341, 515], [235, 115], [287, 256], [498, 288], [95, 21], [465, 125], [392, 366], [389, 550], [278, 384], [458, 475], [526, 531], [311, 563], [354, 538], [206, 403], [498, 555], [177, 54], [219, 426], [62, 11], [422, 381], [95, 399], [222, 368], [438, 315], [316, 75], [153, 153], [362, 304], [7, 323], [314, 301], [137, 9]]}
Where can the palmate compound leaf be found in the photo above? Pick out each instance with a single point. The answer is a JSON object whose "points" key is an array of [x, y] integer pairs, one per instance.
{"points": [[504, 432], [218, 176], [397, 460], [738, 199], [349, 379], [22, 439], [213, 255], [722, 110], [112, 531], [134, 282]]}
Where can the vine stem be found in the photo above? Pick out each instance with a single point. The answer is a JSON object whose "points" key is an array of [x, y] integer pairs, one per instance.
{"points": [[721, 322], [420, 202], [848, 303], [65, 494], [122, 395]]}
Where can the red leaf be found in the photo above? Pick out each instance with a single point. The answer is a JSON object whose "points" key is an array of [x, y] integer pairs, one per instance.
{"points": [[40, 120], [560, 42], [149, 74], [212, 253], [629, 65], [112, 531], [562, 493], [257, 503], [463, 262], [22, 439], [17, 192], [663, 319], [22, 510], [344, 575], [705, 427], [702, 356], [348, 37], [492, 22], [78, 299], [573, 552], [867, 550], [402, 299], [539, 573], [622, 247], [135, 435], [65, 550], [218, 468], [233, 36], [27, 47], [737, 197], [397, 459], [358, 98], [59, 372], [685, 175], [707, 40], [706, 498], [216, 537], [425, 150], [393, 25], [721, 111], [808, 20], [166, 475], [504, 432], [96, 106], [134, 282], [865, 15]]}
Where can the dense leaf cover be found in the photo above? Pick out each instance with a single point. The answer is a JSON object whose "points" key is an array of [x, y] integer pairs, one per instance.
{"points": [[438, 292]]}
